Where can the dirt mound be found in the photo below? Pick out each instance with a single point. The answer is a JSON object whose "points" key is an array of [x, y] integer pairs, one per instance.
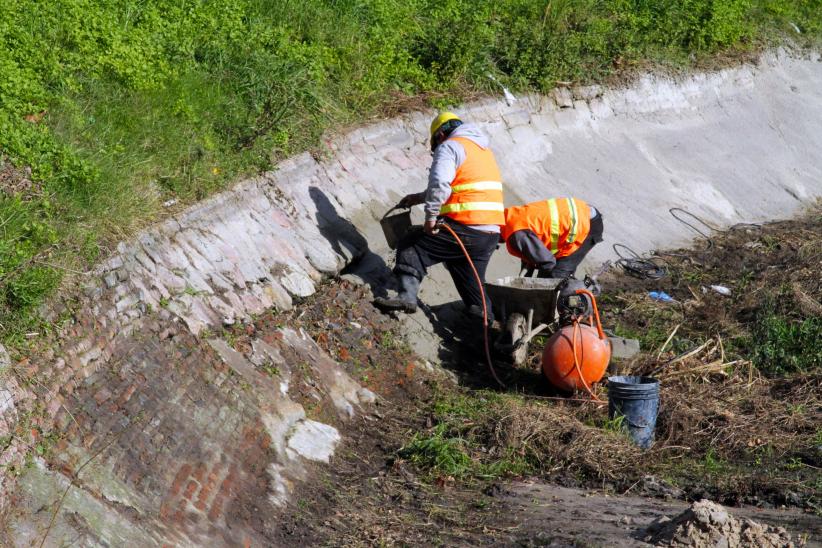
{"points": [[706, 524]]}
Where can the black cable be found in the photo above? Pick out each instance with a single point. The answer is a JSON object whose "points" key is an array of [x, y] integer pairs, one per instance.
{"points": [[636, 266], [692, 227], [646, 269]]}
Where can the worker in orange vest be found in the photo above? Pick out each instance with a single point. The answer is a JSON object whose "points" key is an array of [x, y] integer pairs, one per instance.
{"points": [[552, 236], [465, 191]]}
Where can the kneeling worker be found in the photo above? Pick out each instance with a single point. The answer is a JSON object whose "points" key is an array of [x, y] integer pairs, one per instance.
{"points": [[552, 236], [464, 191]]}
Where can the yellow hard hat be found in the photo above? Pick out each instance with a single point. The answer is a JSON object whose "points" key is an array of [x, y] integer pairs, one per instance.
{"points": [[441, 119]]}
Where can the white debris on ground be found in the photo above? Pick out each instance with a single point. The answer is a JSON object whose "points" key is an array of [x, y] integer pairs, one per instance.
{"points": [[707, 524]]}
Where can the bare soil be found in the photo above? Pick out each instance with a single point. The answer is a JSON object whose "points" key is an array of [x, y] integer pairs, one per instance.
{"points": [[726, 431]]}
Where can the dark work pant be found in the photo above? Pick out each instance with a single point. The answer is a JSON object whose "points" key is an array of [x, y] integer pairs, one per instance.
{"points": [[419, 251], [567, 266]]}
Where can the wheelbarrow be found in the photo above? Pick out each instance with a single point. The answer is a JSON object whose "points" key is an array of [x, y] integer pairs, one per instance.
{"points": [[527, 307]]}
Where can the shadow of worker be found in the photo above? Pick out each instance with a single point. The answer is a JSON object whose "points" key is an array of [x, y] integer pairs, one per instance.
{"points": [[348, 243]]}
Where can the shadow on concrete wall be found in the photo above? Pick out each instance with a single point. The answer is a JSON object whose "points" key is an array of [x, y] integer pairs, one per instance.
{"points": [[347, 242], [462, 347]]}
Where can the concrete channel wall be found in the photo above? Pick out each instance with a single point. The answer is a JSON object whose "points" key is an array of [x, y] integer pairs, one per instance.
{"points": [[739, 145]]}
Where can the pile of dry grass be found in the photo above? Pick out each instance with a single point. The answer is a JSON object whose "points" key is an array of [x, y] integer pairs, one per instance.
{"points": [[553, 437], [712, 402], [759, 434]]}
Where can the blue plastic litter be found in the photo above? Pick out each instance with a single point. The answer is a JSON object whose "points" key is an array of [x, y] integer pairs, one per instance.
{"points": [[660, 296], [637, 400]]}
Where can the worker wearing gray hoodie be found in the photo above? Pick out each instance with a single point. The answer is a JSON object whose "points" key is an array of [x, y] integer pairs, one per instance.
{"points": [[465, 191]]}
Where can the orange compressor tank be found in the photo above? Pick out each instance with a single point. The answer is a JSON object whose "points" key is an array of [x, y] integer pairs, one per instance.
{"points": [[593, 354]]}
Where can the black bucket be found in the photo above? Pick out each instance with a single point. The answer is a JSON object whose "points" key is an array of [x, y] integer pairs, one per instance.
{"points": [[395, 225], [637, 400]]}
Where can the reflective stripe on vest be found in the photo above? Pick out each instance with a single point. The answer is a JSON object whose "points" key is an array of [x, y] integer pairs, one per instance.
{"points": [[476, 191], [572, 231], [472, 206], [554, 215], [479, 185]]}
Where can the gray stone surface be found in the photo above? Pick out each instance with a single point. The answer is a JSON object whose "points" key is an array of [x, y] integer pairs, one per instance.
{"points": [[623, 348], [313, 440]]}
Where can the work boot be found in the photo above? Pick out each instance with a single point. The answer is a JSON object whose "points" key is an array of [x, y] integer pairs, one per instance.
{"points": [[474, 312], [406, 299]]}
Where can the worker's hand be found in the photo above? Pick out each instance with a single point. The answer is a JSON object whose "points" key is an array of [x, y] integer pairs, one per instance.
{"points": [[412, 199], [430, 227]]}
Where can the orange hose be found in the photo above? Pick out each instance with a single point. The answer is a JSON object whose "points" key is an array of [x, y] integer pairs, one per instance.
{"points": [[596, 311], [484, 306], [576, 360]]}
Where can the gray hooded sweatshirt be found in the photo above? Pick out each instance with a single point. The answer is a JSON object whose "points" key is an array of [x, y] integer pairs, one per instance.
{"points": [[447, 158]]}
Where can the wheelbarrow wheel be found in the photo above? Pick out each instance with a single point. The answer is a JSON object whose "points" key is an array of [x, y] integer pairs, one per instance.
{"points": [[517, 327]]}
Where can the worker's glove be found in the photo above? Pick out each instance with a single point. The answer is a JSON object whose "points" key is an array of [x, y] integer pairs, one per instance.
{"points": [[431, 227], [528, 267], [412, 199]]}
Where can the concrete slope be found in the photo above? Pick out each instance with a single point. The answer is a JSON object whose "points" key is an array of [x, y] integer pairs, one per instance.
{"points": [[739, 145], [138, 380]]}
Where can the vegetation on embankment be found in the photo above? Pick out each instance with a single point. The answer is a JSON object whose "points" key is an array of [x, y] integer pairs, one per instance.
{"points": [[740, 417], [109, 109]]}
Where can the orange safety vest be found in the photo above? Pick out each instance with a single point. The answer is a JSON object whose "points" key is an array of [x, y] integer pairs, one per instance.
{"points": [[476, 191], [561, 223]]}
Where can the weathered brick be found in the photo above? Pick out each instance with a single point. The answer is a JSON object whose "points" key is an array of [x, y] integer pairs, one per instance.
{"points": [[228, 482], [208, 486], [191, 488], [182, 475], [200, 472], [205, 494], [216, 508]]}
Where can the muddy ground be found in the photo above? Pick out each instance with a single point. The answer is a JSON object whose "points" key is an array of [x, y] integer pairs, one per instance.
{"points": [[447, 459]]}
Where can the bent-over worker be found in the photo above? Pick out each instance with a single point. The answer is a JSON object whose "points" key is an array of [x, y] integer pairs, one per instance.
{"points": [[552, 236], [464, 191]]}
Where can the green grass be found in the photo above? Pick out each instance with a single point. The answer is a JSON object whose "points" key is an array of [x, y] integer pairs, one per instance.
{"points": [[456, 446], [781, 345], [119, 106], [438, 451]]}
